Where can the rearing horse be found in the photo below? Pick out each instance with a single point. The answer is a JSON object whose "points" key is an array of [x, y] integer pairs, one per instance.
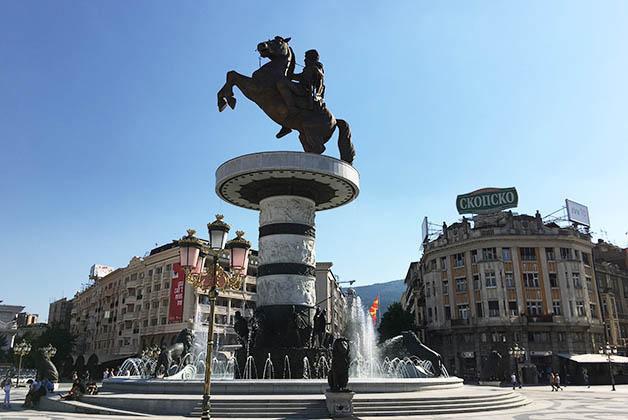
{"points": [[315, 126]]}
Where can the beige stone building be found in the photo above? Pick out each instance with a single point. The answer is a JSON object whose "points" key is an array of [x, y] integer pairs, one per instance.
{"points": [[148, 303], [330, 297], [612, 280], [500, 279]]}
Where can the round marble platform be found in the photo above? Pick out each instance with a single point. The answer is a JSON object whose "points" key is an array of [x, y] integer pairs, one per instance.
{"points": [[246, 180]]}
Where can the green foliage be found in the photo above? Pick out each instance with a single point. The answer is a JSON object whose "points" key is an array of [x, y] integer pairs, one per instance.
{"points": [[60, 338], [394, 321]]}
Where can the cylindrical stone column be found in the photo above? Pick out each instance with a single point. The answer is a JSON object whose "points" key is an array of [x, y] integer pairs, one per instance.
{"points": [[286, 274], [287, 188]]}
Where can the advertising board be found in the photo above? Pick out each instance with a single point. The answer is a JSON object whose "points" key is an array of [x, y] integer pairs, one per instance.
{"points": [[487, 200], [424, 231], [98, 271], [577, 213], [175, 312]]}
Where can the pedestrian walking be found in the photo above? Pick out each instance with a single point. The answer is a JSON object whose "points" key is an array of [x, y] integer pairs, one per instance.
{"points": [[585, 375], [552, 381], [513, 379], [6, 386], [557, 381]]}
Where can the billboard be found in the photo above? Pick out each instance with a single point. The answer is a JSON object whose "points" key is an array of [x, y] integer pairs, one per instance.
{"points": [[424, 230], [98, 271], [577, 213], [175, 312], [487, 200]]}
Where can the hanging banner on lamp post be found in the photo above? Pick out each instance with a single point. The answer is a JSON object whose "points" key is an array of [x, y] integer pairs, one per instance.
{"points": [[487, 200]]}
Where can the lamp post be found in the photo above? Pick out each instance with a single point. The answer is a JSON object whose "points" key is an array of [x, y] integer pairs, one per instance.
{"points": [[50, 351], [516, 353], [193, 253], [22, 349], [609, 350]]}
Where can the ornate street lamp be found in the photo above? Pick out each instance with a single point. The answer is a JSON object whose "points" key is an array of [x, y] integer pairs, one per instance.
{"points": [[21, 349], [517, 353], [210, 280], [50, 351], [609, 350]]}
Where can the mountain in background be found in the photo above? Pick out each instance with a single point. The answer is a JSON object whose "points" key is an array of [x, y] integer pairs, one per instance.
{"points": [[389, 293]]}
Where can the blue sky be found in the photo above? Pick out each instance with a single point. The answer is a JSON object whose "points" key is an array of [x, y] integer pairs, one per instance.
{"points": [[108, 109]]}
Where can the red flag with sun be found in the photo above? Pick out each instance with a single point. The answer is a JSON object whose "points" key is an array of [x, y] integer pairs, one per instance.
{"points": [[373, 310]]}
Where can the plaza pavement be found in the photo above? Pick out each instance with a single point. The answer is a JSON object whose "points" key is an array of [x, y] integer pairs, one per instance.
{"points": [[574, 403]]}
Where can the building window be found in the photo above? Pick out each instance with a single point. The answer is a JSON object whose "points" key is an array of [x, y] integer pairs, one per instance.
{"points": [[153, 322], [459, 260], [429, 315], [589, 282], [575, 277], [531, 279], [163, 320], [432, 265], [527, 254], [534, 307], [561, 337], [576, 254], [445, 287], [510, 280], [580, 308], [476, 282], [478, 309], [463, 311], [443, 263], [553, 278], [512, 308], [489, 254], [490, 279], [474, 256], [493, 308], [593, 309], [506, 254], [549, 253], [565, 254], [586, 259], [447, 312], [461, 284], [556, 307]]}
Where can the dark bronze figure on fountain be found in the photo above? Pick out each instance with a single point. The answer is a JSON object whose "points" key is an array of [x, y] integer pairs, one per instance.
{"points": [[295, 106]]}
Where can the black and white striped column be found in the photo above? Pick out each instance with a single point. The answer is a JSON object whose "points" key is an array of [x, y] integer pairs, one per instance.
{"points": [[286, 274]]}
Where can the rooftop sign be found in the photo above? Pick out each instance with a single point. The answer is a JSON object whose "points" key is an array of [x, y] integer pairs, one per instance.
{"points": [[577, 213], [487, 200]]}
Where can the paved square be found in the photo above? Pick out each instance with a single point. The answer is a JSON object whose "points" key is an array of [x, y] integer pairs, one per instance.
{"points": [[574, 403]]}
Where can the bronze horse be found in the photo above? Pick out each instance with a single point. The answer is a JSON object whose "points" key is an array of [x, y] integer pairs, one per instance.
{"points": [[314, 124]]}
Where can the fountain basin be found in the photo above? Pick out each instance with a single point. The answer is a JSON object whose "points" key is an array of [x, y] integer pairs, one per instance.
{"points": [[276, 386]]}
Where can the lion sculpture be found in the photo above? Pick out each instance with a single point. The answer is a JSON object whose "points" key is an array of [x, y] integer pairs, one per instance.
{"points": [[46, 370], [338, 377], [175, 353]]}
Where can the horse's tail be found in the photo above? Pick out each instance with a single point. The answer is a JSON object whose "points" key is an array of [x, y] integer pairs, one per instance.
{"points": [[347, 151]]}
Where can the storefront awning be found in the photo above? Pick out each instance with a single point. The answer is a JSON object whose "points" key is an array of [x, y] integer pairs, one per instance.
{"points": [[593, 358]]}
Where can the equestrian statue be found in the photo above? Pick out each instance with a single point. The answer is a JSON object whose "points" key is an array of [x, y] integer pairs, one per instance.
{"points": [[294, 101]]}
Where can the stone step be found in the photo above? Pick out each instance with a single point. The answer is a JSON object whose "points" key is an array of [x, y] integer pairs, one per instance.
{"points": [[55, 403], [439, 409], [431, 401]]}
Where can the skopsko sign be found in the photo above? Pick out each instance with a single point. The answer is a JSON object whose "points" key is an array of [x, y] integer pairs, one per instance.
{"points": [[487, 200]]}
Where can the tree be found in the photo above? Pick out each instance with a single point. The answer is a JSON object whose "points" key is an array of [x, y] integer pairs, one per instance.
{"points": [[394, 321]]}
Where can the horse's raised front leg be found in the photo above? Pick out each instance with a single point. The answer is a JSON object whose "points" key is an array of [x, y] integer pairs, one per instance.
{"points": [[225, 94]]}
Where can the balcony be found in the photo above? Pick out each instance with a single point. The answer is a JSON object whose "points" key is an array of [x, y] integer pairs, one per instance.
{"points": [[539, 318]]}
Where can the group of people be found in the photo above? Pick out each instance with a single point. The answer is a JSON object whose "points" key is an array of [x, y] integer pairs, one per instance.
{"points": [[81, 385], [554, 380]]}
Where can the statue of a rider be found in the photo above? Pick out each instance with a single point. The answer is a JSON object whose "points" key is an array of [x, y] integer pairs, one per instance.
{"points": [[310, 85]]}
